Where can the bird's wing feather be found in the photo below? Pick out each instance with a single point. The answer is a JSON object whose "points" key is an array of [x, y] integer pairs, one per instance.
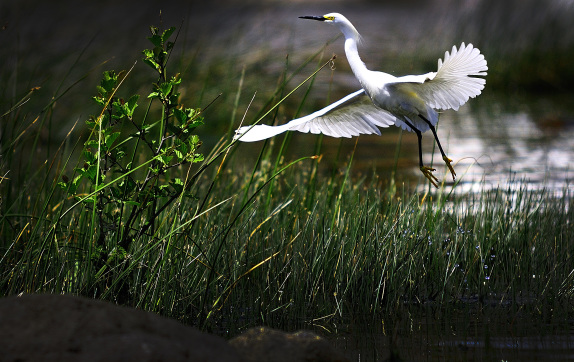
{"points": [[455, 81], [350, 116]]}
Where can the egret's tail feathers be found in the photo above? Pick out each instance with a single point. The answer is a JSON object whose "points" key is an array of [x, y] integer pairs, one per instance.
{"points": [[258, 132], [457, 77]]}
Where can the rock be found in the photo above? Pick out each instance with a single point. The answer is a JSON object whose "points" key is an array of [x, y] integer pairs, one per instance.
{"points": [[68, 328], [266, 344], [48, 327]]}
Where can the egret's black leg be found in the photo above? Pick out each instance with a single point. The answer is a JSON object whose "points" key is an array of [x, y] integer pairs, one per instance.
{"points": [[444, 156], [427, 171]]}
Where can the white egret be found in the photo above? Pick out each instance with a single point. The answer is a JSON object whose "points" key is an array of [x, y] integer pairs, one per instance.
{"points": [[409, 102]]}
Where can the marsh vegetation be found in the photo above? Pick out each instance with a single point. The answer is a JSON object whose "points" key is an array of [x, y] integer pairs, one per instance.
{"points": [[149, 205]]}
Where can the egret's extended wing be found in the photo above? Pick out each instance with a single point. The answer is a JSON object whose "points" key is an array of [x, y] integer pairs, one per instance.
{"points": [[353, 115], [455, 81]]}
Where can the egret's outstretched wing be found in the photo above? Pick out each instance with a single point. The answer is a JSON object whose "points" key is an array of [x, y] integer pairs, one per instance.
{"points": [[455, 81], [353, 115]]}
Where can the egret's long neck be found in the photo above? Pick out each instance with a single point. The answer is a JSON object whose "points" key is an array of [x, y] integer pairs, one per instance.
{"points": [[353, 57], [351, 41]]}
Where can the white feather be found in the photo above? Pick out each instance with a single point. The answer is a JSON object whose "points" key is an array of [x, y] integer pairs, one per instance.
{"points": [[350, 116]]}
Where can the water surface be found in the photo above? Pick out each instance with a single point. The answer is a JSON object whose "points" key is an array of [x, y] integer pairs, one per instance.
{"points": [[473, 333]]}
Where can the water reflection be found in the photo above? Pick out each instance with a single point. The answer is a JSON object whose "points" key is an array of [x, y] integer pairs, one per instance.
{"points": [[470, 333], [492, 144]]}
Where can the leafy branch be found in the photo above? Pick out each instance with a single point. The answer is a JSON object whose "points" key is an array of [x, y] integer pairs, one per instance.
{"points": [[129, 161]]}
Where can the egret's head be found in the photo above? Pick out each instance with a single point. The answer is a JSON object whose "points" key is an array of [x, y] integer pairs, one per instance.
{"points": [[328, 18], [337, 19]]}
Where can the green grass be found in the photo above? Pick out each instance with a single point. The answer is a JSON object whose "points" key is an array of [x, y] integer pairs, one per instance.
{"points": [[279, 242]]}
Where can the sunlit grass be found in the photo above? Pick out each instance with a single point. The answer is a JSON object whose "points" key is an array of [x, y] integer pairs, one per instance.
{"points": [[307, 251]]}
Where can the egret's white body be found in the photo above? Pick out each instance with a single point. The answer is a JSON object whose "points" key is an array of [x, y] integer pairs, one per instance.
{"points": [[409, 102]]}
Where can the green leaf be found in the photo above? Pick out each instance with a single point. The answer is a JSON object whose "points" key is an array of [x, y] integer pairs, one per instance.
{"points": [[89, 156], [119, 154], [181, 150], [177, 184], [174, 98], [110, 139], [126, 108], [77, 180], [194, 124], [165, 88], [193, 141], [91, 143], [180, 145], [90, 173], [131, 105], [198, 157], [158, 53], [156, 40], [73, 189], [165, 159], [179, 155], [176, 79], [151, 63], [102, 91], [91, 121], [167, 34], [108, 82], [181, 115]]}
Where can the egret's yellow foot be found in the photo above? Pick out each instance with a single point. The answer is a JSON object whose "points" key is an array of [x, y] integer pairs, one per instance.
{"points": [[427, 171], [448, 161]]}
